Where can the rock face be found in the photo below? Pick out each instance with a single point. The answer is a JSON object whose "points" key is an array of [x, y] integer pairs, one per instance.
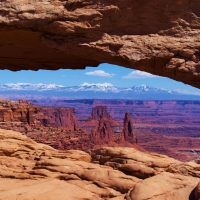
{"points": [[104, 133], [169, 127], [29, 170], [98, 112], [22, 111], [60, 117], [160, 37], [128, 132], [25, 112], [102, 125]]}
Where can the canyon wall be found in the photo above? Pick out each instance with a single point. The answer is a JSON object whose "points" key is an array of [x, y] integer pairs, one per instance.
{"points": [[104, 126], [167, 117], [60, 117], [103, 134], [25, 112], [160, 37], [128, 131]]}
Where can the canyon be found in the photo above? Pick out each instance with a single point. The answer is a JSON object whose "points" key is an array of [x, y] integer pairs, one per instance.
{"points": [[164, 126], [59, 128], [165, 117], [155, 126]]}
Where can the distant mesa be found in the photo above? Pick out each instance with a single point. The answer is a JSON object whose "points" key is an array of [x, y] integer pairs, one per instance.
{"points": [[100, 112], [60, 117], [24, 111], [103, 130], [97, 113], [58, 126]]}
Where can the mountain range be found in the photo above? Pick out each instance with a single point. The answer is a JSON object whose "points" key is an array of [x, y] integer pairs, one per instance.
{"points": [[90, 91]]}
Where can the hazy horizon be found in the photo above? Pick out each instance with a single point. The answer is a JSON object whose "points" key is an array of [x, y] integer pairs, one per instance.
{"points": [[104, 73]]}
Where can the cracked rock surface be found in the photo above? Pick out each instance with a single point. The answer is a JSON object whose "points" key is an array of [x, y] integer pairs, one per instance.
{"points": [[160, 37], [29, 170]]}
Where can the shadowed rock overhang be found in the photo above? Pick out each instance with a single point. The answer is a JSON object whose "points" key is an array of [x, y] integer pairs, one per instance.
{"points": [[157, 36]]}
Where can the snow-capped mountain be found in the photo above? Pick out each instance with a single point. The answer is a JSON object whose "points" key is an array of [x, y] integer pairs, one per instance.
{"points": [[89, 90], [99, 87], [29, 86]]}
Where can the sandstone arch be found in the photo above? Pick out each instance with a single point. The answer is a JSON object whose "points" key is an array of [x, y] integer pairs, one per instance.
{"points": [[160, 37]]}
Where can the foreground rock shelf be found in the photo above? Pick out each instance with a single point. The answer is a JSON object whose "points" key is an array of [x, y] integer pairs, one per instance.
{"points": [[29, 170]]}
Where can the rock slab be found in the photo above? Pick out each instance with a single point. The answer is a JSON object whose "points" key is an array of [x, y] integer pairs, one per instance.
{"points": [[29, 170]]}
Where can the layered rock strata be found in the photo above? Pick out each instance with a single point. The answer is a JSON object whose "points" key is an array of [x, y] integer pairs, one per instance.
{"points": [[160, 37], [100, 111], [25, 112], [35, 171], [102, 125], [60, 117], [97, 113], [104, 133], [128, 132]]}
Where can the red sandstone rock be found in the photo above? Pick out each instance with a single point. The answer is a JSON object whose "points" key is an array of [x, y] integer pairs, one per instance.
{"points": [[128, 132], [97, 113], [160, 37], [103, 134], [60, 117], [100, 112], [21, 101], [23, 111]]}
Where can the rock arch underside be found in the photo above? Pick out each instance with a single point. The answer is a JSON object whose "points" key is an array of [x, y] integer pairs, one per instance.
{"points": [[157, 36], [161, 37]]}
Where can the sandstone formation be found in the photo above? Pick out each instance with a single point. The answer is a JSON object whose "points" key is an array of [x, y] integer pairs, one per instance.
{"points": [[29, 170], [25, 112], [166, 117], [169, 127], [174, 122], [102, 127], [128, 132], [104, 133], [60, 117], [98, 112], [160, 37], [58, 127]]}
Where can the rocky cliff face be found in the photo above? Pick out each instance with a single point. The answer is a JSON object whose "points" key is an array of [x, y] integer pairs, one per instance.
{"points": [[98, 112], [35, 171], [101, 124], [60, 117], [128, 132], [25, 112], [104, 133], [22, 111], [160, 37]]}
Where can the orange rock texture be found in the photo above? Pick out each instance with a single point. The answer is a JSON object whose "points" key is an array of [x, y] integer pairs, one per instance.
{"points": [[160, 37], [23, 111], [29, 170]]}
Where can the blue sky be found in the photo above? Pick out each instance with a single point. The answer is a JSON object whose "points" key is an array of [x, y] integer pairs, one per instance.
{"points": [[116, 75]]}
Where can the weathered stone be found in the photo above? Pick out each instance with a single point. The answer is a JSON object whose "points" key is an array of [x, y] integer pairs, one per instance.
{"points": [[29, 170], [160, 37]]}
